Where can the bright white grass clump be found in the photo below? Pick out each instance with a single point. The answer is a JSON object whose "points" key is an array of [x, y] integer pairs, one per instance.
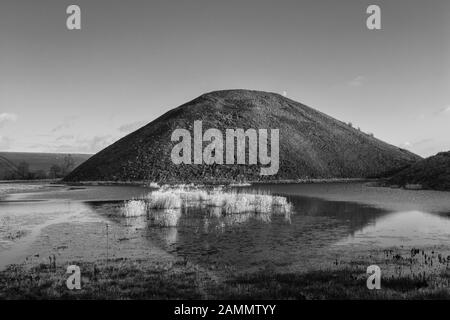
{"points": [[221, 199], [262, 203], [163, 200], [154, 185], [134, 208], [195, 195], [281, 204], [240, 184], [178, 187], [164, 206], [238, 202], [184, 194]]}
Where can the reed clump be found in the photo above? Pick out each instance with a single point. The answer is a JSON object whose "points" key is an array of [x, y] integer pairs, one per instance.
{"points": [[169, 201]]}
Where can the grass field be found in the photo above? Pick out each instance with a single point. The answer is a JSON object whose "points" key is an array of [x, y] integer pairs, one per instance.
{"points": [[405, 275], [11, 163]]}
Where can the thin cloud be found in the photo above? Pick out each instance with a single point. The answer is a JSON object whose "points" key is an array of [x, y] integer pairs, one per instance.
{"points": [[60, 127], [67, 123], [357, 82], [406, 144], [87, 145], [65, 137], [444, 111], [98, 143], [71, 144], [416, 143], [7, 117]]}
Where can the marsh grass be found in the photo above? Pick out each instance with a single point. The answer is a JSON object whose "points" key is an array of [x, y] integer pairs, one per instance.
{"points": [[414, 274], [162, 200], [134, 208], [154, 185], [180, 279], [345, 283], [169, 202], [119, 279]]}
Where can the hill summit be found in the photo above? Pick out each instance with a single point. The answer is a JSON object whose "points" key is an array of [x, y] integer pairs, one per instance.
{"points": [[311, 144]]}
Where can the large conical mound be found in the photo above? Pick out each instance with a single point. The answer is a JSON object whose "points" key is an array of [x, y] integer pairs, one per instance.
{"points": [[312, 144]]}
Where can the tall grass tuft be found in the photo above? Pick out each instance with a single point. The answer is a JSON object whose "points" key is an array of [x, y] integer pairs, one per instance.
{"points": [[164, 206], [282, 205], [134, 208], [163, 200], [154, 185]]}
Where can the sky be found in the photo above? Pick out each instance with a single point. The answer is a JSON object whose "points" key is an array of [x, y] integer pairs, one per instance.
{"points": [[77, 91]]}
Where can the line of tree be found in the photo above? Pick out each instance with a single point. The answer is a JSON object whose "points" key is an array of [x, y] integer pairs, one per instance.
{"points": [[55, 171]]}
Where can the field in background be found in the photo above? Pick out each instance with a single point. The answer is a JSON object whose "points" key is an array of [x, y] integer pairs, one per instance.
{"points": [[28, 165]]}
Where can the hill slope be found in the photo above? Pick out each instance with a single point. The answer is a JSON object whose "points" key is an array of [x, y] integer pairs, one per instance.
{"points": [[430, 173], [312, 144]]}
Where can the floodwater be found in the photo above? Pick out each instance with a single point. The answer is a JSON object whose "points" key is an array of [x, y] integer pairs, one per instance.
{"points": [[327, 221]]}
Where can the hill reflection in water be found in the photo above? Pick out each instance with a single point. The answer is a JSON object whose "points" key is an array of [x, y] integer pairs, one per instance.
{"points": [[245, 240], [315, 231]]}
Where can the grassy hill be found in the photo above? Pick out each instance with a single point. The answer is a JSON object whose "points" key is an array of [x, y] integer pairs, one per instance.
{"points": [[430, 173], [25, 165], [312, 144]]}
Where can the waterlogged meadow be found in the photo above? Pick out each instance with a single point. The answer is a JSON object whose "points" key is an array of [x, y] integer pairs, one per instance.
{"points": [[243, 241], [164, 207]]}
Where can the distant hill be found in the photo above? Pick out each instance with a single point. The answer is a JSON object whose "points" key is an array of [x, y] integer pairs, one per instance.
{"points": [[430, 173], [37, 165], [312, 144]]}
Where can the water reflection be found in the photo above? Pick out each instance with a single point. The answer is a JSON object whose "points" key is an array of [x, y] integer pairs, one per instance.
{"points": [[409, 228], [208, 235]]}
